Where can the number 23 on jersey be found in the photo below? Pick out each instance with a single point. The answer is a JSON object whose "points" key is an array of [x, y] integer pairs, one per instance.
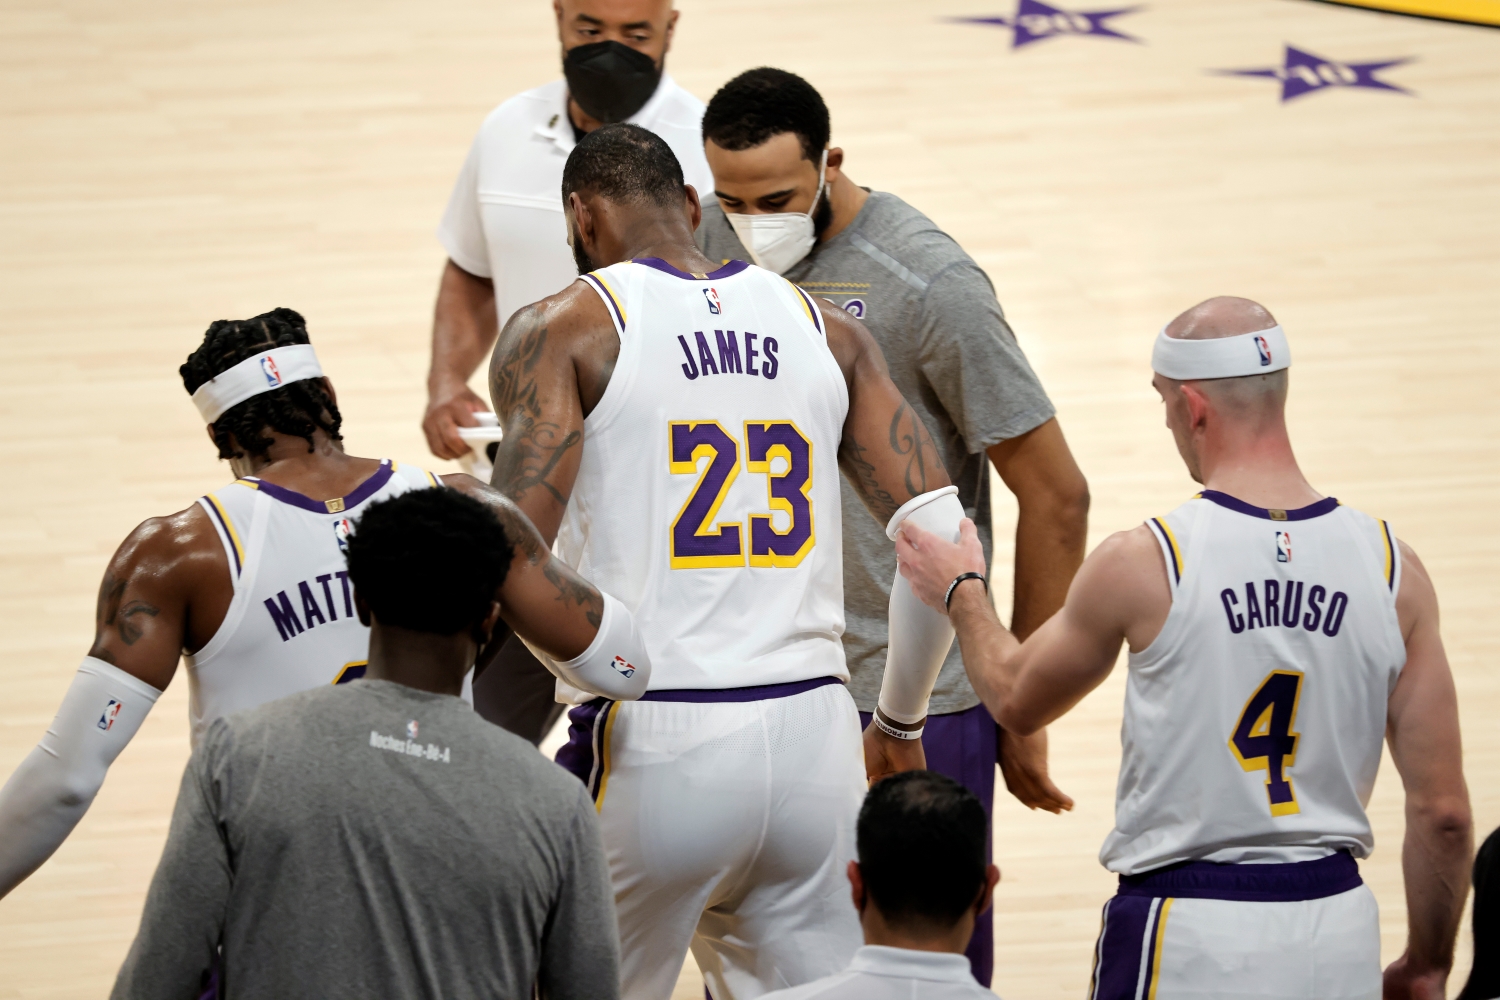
{"points": [[773, 448]]}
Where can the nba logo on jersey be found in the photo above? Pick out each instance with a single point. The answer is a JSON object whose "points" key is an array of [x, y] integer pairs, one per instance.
{"points": [[1283, 546], [411, 729], [712, 295], [625, 668], [342, 529], [111, 712], [1264, 349], [268, 365]]}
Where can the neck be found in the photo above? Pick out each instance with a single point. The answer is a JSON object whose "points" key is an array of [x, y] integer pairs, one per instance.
{"points": [[420, 660], [845, 198], [1256, 465], [667, 238], [879, 931], [287, 452]]}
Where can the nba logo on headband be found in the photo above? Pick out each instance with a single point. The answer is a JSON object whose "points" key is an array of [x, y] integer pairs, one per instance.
{"points": [[255, 375], [1264, 349], [268, 365]]}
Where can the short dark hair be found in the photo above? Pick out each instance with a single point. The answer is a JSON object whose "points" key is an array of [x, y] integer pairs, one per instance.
{"points": [[430, 560], [921, 839], [625, 163], [761, 103], [297, 408]]}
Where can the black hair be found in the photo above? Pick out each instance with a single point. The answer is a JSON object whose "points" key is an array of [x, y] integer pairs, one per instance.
{"points": [[921, 839], [297, 408], [761, 103], [625, 163], [429, 560]]}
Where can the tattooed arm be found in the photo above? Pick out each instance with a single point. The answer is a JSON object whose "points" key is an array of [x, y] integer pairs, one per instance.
{"points": [[551, 366], [886, 454], [542, 599], [166, 589]]}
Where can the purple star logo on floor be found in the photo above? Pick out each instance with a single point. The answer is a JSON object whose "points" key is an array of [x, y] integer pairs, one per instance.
{"points": [[1034, 21], [1303, 73]]}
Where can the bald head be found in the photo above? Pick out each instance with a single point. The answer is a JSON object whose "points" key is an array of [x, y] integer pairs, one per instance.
{"points": [[1248, 396], [1221, 316]]}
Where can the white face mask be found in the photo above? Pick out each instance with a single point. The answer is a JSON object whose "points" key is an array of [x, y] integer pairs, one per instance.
{"points": [[777, 242]]}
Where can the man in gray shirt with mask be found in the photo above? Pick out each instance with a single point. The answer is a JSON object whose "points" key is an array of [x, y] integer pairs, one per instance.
{"points": [[784, 202], [379, 838]]}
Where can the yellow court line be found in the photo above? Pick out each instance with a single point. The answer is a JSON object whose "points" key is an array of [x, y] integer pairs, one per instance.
{"points": [[1483, 12]]}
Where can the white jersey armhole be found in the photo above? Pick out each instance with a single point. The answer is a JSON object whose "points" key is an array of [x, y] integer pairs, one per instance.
{"points": [[614, 302], [1171, 552], [1392, 557], [229, 536]]}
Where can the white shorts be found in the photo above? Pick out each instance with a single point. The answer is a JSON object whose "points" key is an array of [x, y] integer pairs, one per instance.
{"points": [[1155, 945], [728, 825]]}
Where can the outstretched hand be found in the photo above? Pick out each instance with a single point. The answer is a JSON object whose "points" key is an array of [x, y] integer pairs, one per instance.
{"points": [[931, 564], [1023, 762], [886, 755]]}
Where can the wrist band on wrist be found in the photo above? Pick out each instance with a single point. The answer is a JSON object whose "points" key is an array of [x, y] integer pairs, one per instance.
{"points": [[960, 578], [896, 734]]}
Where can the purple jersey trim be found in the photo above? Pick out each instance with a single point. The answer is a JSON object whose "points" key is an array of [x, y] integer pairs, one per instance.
{"points": [[761, 692], [361, 493], [812, 308], [584, 751], [1286, 883], [728, 270], [1176, 559], [604, 293], [1307, 513]]}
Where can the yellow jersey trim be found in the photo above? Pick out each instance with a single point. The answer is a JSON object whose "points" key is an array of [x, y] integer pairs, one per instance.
{"points": [[1156, 946], [604, 754], [234, 538]]}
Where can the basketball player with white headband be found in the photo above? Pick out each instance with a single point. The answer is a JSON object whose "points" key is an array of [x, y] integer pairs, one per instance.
{"points": [[1275, 637], [250, 586]]}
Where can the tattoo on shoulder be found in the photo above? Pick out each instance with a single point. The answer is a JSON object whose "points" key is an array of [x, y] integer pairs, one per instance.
{"points": [[125, 617], [532, 446]]}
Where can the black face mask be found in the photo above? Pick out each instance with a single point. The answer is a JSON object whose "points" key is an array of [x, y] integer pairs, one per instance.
{"points": [[610, 81]]}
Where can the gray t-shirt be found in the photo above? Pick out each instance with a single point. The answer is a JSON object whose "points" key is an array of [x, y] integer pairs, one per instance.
{"points": [[950, 352], [372, 840]]}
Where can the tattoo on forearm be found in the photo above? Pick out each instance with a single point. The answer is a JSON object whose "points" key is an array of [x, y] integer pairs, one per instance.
{"points": [[909, 438], [123, 618], [532, 447], [521, 535], [861, 473], [572, 590]]}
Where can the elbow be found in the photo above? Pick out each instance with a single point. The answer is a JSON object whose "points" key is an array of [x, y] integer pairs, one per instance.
{"points": [[1446, 821], [1012, 721]]}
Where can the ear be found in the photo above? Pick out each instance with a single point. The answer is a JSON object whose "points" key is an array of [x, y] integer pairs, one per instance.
{"points": [[835, 162], [328, 388], [1197, 406], [694, 207], [856, 886], [987, 894], [583, 219], [210, 429], [486, 628], [362, 609], [557, 9], [671, 30]]}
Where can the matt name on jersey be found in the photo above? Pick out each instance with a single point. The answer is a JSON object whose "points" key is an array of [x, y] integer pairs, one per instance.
{"points": [[728, 360], [284, 609], [1287, 603]]}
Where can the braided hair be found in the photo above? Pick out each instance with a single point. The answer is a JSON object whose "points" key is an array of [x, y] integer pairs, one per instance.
{"points": [[298, 409]]}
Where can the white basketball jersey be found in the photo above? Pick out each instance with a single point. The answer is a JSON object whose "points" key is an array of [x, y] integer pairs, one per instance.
{"points": [[1254, 721], [708, 496], [291, 625]]}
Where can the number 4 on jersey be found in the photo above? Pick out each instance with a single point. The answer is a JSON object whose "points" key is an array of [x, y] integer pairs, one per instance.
{"points": [[1263, 739]]}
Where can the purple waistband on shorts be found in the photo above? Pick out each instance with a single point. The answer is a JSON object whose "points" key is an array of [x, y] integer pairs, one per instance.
{"points": [[1283, 883], [761, 692]]}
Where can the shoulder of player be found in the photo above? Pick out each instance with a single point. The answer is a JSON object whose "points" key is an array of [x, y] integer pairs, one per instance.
{"points": [[849, 340], [1416, 598], [910, 238], [184, 542], [558, 322], [1121, 563]]}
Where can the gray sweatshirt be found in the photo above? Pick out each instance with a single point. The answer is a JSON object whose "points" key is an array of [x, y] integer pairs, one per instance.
{"points": [[370, 839]]}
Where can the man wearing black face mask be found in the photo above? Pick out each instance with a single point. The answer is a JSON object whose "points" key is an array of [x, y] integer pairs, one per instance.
{"points": [[508, 246]]}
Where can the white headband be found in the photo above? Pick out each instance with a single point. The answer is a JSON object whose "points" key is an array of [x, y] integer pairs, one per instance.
{"points": [[1225, 357], [266, 371]]}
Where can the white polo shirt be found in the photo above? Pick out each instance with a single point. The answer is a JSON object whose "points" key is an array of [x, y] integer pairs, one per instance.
{"points": [[505, 217], [881, 973]]}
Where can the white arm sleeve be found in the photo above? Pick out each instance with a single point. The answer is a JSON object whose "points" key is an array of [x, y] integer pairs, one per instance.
{"points": [[920, 637], [52, 789], [615, 666]]}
